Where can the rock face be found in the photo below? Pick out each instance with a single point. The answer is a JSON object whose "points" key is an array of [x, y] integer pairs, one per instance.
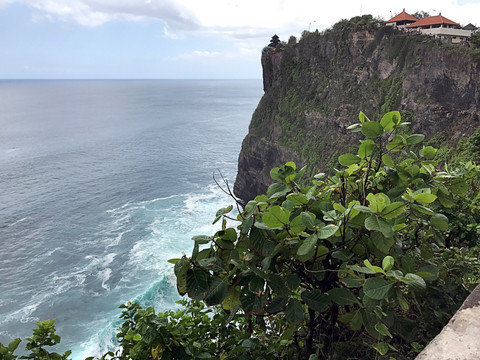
{"points": [[315, 89], [459, 339]]}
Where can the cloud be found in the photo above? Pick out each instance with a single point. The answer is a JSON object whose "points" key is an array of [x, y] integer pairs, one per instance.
{"points": [[239, 19]]}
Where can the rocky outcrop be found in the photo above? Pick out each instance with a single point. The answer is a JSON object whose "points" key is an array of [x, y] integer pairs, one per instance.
{"points": [[314, 89], [459, 339]]}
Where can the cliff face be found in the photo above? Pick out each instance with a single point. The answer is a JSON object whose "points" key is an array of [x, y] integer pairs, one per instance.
{"points": [[316, 88]]}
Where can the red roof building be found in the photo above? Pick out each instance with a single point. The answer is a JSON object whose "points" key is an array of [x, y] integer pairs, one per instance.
{"points": [[441, 28], [432, 22], [402, 19]]}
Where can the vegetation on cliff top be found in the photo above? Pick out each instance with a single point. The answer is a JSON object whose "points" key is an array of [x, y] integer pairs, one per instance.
{"points": [[368, 263]]}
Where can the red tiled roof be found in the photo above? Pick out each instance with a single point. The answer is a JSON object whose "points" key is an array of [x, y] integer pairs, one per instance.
{"points": [[432, 20], [403, 16]]}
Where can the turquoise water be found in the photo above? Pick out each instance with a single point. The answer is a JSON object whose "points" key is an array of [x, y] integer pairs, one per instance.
{"points": [[100, 183]]}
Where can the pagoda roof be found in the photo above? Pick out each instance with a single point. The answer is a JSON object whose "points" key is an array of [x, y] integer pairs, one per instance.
{"points": [[432, 20], [403, 16]]}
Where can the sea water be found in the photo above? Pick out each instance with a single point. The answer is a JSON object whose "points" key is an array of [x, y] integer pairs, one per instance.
{"points": [[101, 182]]}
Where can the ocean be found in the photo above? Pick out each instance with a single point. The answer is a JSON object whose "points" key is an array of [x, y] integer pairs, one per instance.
{"points": [[101, 182]]}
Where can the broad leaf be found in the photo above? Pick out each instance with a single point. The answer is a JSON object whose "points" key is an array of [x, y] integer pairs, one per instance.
{"points": [[327, 231], [375, 223], [366, 148], [217, 291], [348, 159], [315, 299], [415, 139], [342, 296], [377, 288], [197, 283], [425, 198], [306, 250], [459, 187], [276, 217], [390, 119], [232, 299], [278, 189], [439, 221], [294, 311], [372, 129], [387, 263]]}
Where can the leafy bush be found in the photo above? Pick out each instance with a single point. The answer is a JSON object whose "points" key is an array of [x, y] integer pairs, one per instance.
{"points": [[357, 258]]}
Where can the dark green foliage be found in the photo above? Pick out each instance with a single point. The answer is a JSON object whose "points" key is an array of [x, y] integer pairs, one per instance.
{"points": [[357, 257], [43, 336], [475, 39]]}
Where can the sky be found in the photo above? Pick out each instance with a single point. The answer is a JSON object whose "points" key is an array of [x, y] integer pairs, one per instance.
{"points": [[173, 39]]}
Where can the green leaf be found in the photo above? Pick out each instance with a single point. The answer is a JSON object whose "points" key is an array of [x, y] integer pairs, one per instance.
{"points": [[428, 152], [377, 202], [250, 302], [260, 242], [387, 263], [308, 219], [377, 269], [381, 242], [377, 288], [278, 190], [217, 291], [327, 231], [373, 223], [277, 284], [315, 299], [361, 269], [415, 139], [277, 304], [348, 159], [383, 330], [366, 148], [362, 117], [372, 129], [357, 321], [397, 143], [294, 311], [211, 263], [224, 210], [276, 217], [393, 210], [201, 239], [381, 348], [232, 299], [180, 270], [293, 281], [306, 250], [390, 119], [297, 225], [342, 296], [459, 187], [197, 283], [387, 160], [425, 198], [439, 221], [417, 283], [297, 199]]}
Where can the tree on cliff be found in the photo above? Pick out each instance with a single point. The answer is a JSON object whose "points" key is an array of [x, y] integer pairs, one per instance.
{"points": [[352, 259]]}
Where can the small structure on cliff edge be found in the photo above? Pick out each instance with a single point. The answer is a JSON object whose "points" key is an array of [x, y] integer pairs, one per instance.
{"points": [[274, 41]]}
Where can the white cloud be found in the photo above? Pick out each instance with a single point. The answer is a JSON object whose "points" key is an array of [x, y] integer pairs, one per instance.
{"points": [[240, 18]]}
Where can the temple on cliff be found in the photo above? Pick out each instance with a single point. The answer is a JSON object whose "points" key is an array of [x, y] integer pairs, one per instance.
{"points": [[438, 26]]}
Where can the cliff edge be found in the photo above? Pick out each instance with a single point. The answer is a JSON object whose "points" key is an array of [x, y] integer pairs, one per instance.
{"points": [[314, 90]]}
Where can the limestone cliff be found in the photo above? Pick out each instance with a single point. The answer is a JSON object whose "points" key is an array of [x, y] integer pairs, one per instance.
{"points": [[315, 88]]}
